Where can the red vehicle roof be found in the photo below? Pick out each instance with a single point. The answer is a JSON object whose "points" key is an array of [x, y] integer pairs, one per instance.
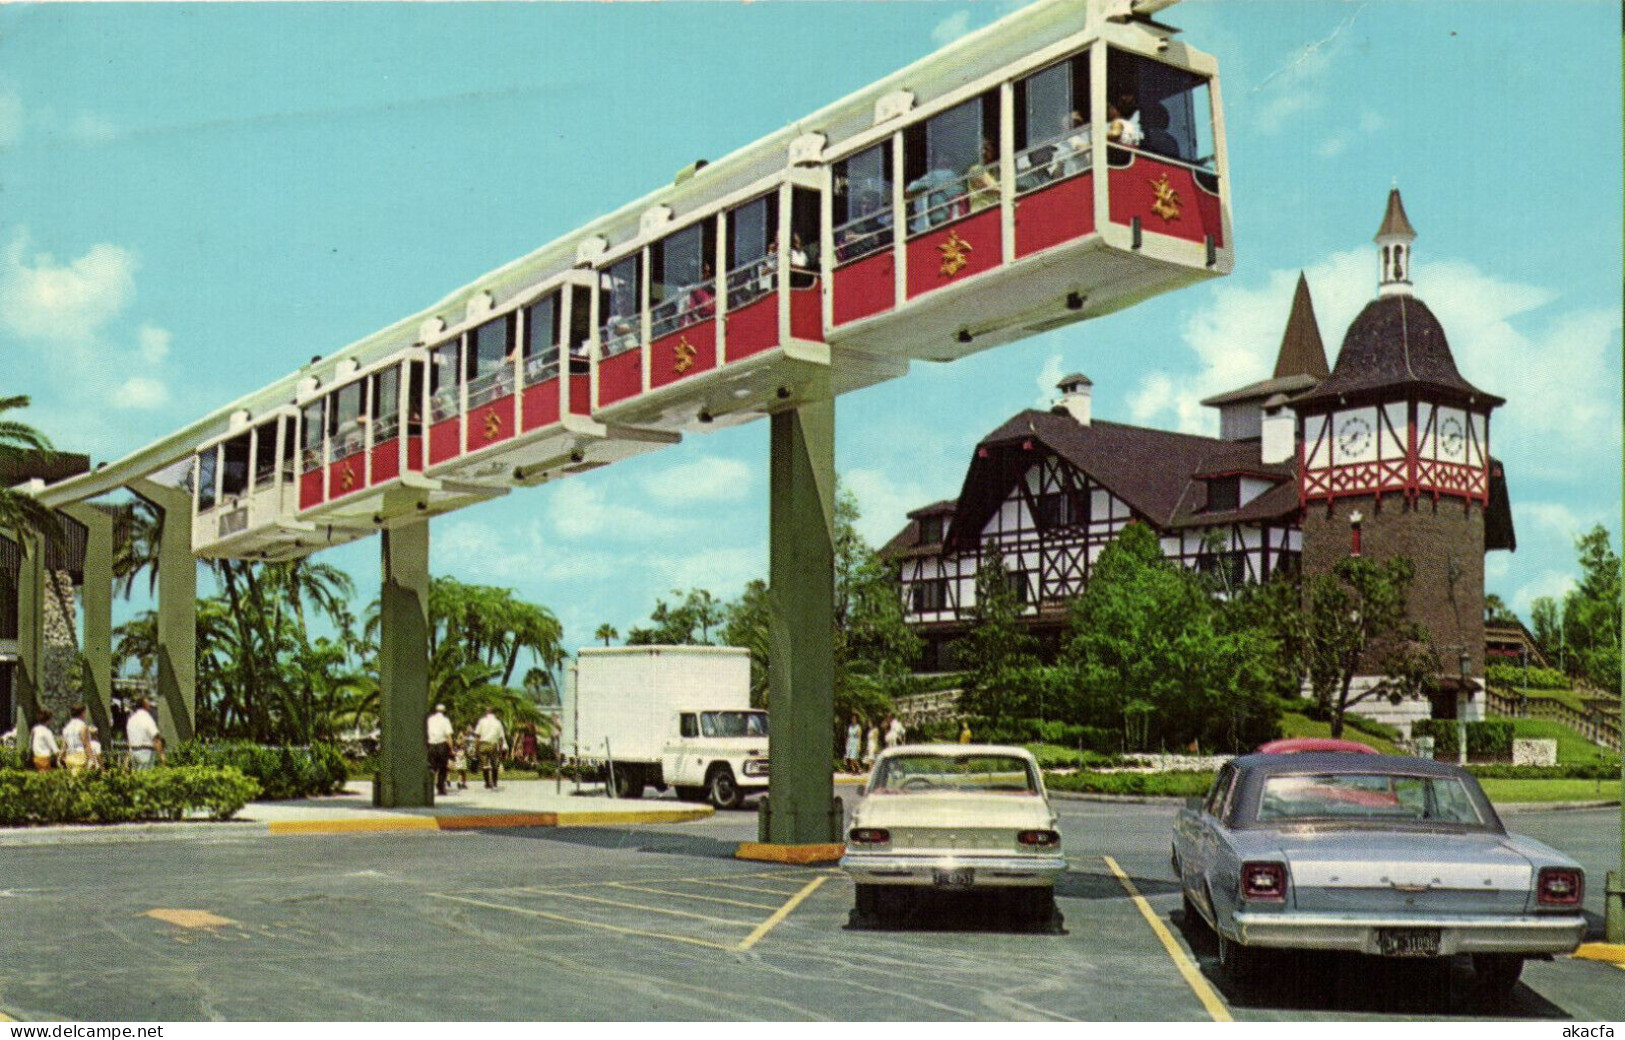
{"points": [[1293, 745]]}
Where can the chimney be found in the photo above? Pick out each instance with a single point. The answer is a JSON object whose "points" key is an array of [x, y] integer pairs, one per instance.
{"points": [[1280, 431], [1075, 390]]}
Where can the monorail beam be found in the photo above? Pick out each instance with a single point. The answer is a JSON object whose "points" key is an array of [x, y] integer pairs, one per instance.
{"points": [[801, 604], [29, 671], [96, 598], [177, 610], [403, 777]]}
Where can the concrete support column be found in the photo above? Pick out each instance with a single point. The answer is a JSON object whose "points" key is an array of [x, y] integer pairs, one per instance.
{"points": [[403, 777], [177, 611], [801, 604], [96, 599], [29, 671]]}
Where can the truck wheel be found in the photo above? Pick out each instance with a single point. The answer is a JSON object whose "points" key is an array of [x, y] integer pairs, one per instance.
{"points": [[690, 794], [723, 791], [628, 781]]}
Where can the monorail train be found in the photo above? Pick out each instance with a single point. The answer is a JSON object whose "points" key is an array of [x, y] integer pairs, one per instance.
{"points": [[1063, 163]]}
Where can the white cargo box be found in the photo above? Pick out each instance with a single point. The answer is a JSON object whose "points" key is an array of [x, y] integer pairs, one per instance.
{"points": [[631, 696]]}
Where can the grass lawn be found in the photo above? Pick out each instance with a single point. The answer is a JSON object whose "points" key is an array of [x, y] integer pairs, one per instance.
{"points": [[1571, 747], [1551, 790], [1296, 725]]}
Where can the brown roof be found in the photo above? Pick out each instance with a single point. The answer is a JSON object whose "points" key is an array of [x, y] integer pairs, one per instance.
{"points": [[1393, 219], [1301, 361], [18, 466], [905, 544], [1395, 343]]}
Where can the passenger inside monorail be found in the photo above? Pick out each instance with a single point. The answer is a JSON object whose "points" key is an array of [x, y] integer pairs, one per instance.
{"points": [[1052, 135], [310, 436], [491, 361], [386, 404], [445, 382], [863, 204], [947, 167], [541, 347], [680, 289], [752, 236], [1170, 111], [348, 420], [619, 300]]}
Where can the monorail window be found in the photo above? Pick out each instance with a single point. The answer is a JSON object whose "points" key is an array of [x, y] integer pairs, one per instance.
{"points": [[348, 435], [1052, 128], [234, 467], [205, 478], [862, 200], [542, 339], [444, 382], [804, 238], [752, 228], [265, 454], [386, 404], [310, 437], [950, 163], [683, 289], [1159, 109], [580, 330], [290, 447], [490, 361], [620, 302]]}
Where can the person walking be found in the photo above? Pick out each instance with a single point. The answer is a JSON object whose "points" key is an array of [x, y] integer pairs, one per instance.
{"points": [[493, 741], [872, 750], [141, 731], [440, 735], [76, 740], [964, 732], [894, 731], [43, 742], [854, 745]]}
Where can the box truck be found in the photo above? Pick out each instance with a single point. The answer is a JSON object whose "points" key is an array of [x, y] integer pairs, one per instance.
{"points": [[667, 716]]}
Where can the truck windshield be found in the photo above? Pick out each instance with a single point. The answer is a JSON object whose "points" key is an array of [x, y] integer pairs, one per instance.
{"points": [[733, 723]]}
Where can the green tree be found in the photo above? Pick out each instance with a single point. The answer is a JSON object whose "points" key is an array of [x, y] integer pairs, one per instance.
{"points": [[137, 531], [874, 650], [1354, 620], [745, 624], [606, 632], [1496, 611], [18, 510], [1546, 618], [1002, 655], [1591, 613], [687, 623]]}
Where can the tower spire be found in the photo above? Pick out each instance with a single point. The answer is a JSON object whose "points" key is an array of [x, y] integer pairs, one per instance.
{"points": [[1302, 352], [1394, 240]]}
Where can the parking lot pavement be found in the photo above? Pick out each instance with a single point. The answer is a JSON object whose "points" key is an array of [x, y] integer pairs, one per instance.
{"points": [[653, 922]]}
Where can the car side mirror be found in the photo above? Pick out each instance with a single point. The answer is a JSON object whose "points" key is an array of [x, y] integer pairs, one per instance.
{"points": [[1194, 803]]}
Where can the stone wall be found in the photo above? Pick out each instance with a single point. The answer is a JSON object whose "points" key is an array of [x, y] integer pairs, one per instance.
{"points": [[60, 681]]}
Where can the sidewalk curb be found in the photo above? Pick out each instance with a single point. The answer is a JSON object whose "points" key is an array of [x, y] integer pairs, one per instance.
{"points": [[97, 834], [1132, 799], [1518, 807]]}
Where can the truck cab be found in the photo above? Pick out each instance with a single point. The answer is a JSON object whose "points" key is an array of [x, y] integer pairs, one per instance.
{"points": [[720, 756]]}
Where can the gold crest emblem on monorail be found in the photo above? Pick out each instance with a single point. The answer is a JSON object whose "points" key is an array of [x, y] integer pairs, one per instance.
{"points": [[683, 356], [1166, 204], [955, 254], [493, 425]]}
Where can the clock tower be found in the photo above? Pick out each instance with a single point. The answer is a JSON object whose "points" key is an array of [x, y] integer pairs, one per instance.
{"points": [[1395, 461]]}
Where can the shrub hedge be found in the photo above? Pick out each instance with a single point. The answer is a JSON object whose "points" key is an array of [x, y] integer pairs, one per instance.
{"points": [[115, 796], [1511, 676], [1178, 784], [1491, 738], [280, 772], [1036, 731], [1572, 771]]}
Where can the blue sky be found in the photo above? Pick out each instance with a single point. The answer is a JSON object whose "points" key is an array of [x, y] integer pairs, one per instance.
{"points": [[195, 199]]}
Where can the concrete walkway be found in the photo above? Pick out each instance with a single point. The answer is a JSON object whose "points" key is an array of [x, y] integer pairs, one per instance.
{"points": [[522, 803]]}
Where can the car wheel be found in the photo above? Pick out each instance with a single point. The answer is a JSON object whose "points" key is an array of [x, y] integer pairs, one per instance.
{"points": [[1041, 911], [1238, 963], [690, 794], [723, 791], [628, 781], [1498, 973]]}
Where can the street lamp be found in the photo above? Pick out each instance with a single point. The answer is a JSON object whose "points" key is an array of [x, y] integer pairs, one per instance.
{"points": [[1466, 660]]}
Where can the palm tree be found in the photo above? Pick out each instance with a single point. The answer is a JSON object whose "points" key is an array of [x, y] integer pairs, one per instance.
{"points": [[137, 535], [20, 511], [606, 632]]}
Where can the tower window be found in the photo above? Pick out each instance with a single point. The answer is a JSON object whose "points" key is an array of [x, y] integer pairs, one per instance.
{"points": [[930, 530]]}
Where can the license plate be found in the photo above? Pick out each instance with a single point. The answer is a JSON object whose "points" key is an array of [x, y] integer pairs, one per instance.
{"points": [[1408, 942], [962, 877]]}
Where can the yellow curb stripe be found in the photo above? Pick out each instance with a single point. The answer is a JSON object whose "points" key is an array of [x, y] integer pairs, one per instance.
{"points": [[1193, 977], [374, 825], [585, 924], [1608, 953], [690, 895], [587, 819], [657, 910], [781, 913]]}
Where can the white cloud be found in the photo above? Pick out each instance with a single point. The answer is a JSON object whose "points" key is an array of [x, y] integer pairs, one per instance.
{"points": [[142, 393], [1298, 86], [11, 119], [580, 510], [703, 479], [723, 570], [153, 343], [90, 127], [1048, 376], [1554, 584], [951, 28], [884, 502], [41, 299]]}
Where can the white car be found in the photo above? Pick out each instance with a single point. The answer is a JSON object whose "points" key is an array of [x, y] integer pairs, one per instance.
{"points": [[952, 817]]}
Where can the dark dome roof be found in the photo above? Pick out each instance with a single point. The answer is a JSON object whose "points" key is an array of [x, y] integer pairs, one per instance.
{"points": [[1395, 342]]}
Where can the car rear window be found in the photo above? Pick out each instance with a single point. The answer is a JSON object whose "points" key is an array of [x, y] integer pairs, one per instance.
{"points": [[1374, 797], [923, 774]]}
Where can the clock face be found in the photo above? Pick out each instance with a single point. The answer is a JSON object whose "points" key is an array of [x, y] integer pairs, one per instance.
{"points": [[1353, 437], [1450, 438]]}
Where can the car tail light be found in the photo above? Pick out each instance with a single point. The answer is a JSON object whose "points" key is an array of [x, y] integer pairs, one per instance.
{"points": [[1039, 839], [1263, 881], [1560, 886], [869, 835]]}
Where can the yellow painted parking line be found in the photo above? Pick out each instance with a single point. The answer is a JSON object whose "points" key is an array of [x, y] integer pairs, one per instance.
{"points": [[691, 895], [781, 913], [657, 910], [585, 924], [742, 888], [1193, 976]]}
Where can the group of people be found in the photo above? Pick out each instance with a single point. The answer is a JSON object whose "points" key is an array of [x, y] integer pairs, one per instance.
{"points": [[78, 747], [485, 742], [862, 750]]}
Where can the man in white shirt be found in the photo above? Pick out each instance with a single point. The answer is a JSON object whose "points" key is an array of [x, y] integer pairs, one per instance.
{"points": [[75, 740], [42, 742], [895, 732], [440, 737], [492, 740], [142, 733]]}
